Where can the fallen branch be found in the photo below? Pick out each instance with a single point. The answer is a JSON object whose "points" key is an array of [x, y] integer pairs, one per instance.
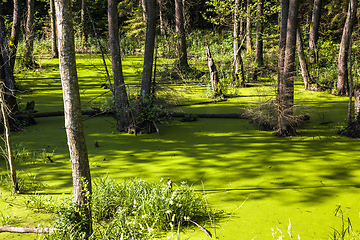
{"points": [[52, 114], [26, 229], [227, 115]]}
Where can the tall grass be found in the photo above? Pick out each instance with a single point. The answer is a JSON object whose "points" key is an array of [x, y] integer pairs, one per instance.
{"points": [[134, 209]]}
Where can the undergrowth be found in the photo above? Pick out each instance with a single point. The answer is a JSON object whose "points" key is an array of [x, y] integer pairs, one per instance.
{"points": [[134, 209]]}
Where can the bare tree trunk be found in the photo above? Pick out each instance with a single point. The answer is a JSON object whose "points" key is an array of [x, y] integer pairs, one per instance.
{"points": [[350, 86], [259, 57], [181, 37], [9, 152], [121, 99], [15, 32], [72, 109], [29, 60], [302, 59], [342, 83], [162, 27], [248, 26], [84, 27], [6, 67], [236, 36], [149, 49], [144, 12], [54, 48], [282, 44], [285, 115], [314, 30], [213, 74], [308, 18]]}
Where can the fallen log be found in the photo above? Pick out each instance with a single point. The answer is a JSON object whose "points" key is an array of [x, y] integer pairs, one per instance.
{"points": [[26, 229], [226, 115], [53, 114]]}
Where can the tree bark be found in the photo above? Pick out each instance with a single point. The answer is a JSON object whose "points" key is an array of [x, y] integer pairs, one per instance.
{"points": [[9, 152], [180, 35], [342, 83], [285, 114], [248, 26], [236, 36], [29, 60], [7, 70], [143, 4], [259, 57], [282, 43], [149, 49], [54, 49], [26, 229], [314, 30], [84, 27], [302, 59], [72, 108], [213, 74], [162, 25], [308, 18], [15, 32], [121, 99]]}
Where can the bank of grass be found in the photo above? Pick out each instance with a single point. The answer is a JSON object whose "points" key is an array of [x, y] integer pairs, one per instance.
{"points": [[300, 178]]}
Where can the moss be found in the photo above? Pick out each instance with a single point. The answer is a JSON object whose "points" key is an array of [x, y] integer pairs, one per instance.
{"points": [[301, 178]]}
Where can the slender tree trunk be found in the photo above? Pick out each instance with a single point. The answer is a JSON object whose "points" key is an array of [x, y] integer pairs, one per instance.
{"points": [[180, 35], [314, 30], [84, 27], [5, 66], [144, 12], [282, 43], [29, 60], [72, 110], [9, 152], [302, 59], [308, 18], [259, 57], [15, 32], [54, 48], [350, 86], [162, 25], [121, 100], [149, 49], [342, 83], [213, 74], [285, 115], [248, 26], [236, 36]]}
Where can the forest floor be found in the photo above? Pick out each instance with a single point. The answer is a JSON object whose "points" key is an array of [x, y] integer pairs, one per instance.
{"points": [[299, 179]]}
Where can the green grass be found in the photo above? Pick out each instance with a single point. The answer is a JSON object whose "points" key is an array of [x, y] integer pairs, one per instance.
{"points": [[300, 178]]}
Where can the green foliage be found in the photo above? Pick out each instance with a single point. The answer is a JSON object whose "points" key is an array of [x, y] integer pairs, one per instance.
{"points": [[133, 209], [22, 155], [27, 182], [350, 130], [39, 202]]}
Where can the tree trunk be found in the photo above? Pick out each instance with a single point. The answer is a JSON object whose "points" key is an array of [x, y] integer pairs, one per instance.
{"points": [[5, 67], [54, 49], [180, 35], [314, 30], [15, 32], [308, 18], [121, 99], [248, 26], [213, 74], [236, 37], [9, 152], [29, 60], [26, 229], [84, 25], [162, 25], [143, 4], [149, 49], [282, 43], [342, 83], [285, 115], [259, 58], [302, 59], [356, 102], [72, 108]]}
